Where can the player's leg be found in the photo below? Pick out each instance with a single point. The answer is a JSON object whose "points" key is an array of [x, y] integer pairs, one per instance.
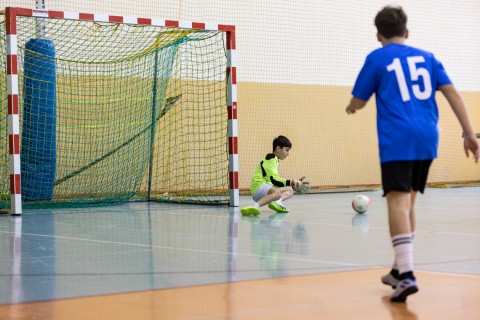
{"points": [[392, 278], [397, 185], [413, 223], [261, 197], [419, 181], [399, 204], [389, 182], [286, 193], [417, 173], [277, 205], [273, 194]]}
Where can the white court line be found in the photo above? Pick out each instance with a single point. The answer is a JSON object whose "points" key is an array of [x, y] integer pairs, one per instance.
{"points": [[463, 275], [191, 250], [386, 228]]}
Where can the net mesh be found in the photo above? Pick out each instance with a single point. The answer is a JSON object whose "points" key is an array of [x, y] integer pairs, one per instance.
{"points": [[140, 114]]}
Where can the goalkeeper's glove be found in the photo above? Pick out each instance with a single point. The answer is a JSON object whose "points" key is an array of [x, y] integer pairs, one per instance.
{"points": [[300, 185]]}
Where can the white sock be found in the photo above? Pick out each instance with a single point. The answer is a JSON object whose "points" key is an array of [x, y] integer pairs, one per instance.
{"points": [[395, 266], [403, 249], [256, 205], [279, 201]]}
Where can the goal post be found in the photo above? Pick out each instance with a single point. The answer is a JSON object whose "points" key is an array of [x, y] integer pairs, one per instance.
{"points": [[104, 109]]}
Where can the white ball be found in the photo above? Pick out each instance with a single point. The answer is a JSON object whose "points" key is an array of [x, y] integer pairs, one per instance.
{"points": [[361, 203]]}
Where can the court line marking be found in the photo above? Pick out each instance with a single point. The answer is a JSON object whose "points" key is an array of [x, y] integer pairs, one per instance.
{"points": [[185, 249], [386, 228]]}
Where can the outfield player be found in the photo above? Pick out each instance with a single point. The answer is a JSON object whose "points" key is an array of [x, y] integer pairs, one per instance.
{"points": [[267, 187], [404, 80]]}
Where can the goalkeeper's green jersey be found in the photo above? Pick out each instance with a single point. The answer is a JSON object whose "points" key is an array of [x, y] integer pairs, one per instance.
{"points": [[267, 172]]}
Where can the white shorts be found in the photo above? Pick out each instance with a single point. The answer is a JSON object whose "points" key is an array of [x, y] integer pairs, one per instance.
{"points": [[261, 192]]}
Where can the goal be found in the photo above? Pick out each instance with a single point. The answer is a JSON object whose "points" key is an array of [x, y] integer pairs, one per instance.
{"points": [[103, 109]]}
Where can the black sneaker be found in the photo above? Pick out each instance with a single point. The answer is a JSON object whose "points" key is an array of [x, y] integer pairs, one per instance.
{"points": [[404, 288]]}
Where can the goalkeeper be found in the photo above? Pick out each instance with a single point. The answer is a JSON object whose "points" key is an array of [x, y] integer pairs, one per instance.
{"points": [[268, 187]]}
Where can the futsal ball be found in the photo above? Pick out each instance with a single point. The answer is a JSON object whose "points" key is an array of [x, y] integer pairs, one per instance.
{"points": [[361, 203]]}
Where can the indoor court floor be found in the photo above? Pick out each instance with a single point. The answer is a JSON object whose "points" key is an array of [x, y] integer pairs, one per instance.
{"points": [[190, 262]]}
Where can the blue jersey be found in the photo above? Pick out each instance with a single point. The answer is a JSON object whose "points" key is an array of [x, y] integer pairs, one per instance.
{"points": [[404, 80]]}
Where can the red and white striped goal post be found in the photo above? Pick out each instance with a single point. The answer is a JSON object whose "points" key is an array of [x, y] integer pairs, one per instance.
{"points": [[11, 14]]}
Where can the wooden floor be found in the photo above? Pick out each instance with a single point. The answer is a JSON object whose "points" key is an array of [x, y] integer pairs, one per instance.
{"points": [[164, 261], [348, 295]]}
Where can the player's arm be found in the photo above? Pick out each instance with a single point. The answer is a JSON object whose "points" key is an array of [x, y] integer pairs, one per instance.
{"points": [[460, 110], [476, 134], [355, 104], [270, 168]]}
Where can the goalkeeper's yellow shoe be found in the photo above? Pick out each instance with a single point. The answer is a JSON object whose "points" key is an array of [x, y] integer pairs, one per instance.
{"points": [[277, 207], [252, 210]]}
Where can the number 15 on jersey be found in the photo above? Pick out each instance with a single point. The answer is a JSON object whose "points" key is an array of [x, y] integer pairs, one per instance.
{"points": [[417, 73]]}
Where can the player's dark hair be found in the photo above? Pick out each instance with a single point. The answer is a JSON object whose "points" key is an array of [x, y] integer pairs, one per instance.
{"points": [[391, 22], [281, 141]]}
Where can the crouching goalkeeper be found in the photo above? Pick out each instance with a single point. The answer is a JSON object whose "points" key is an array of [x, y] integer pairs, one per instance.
{"points": [[268, 187]]}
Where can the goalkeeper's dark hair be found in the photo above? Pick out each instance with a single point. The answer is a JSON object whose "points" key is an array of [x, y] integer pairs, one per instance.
{"points": [[281, 141], [391, 22]]}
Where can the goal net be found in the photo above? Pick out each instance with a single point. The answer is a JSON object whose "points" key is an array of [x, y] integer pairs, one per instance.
{"points": [[113, 109]]}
